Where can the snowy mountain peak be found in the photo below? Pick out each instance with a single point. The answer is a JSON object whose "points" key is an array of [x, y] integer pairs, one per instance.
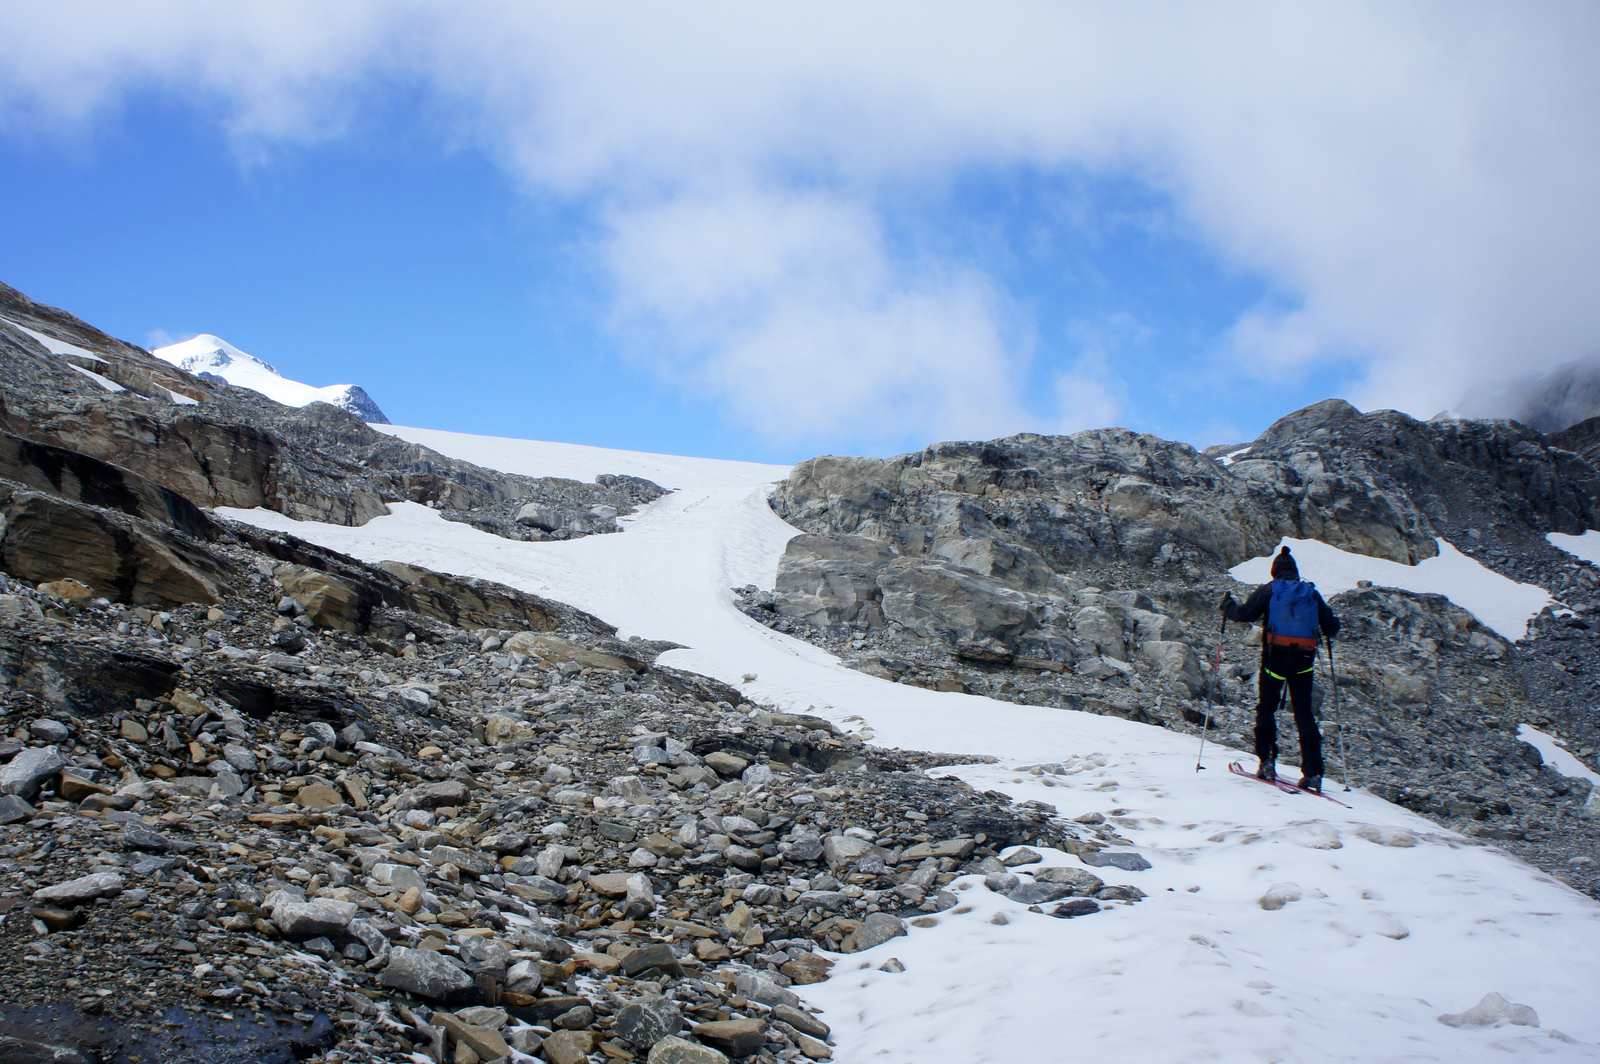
{"points": [[211, 356], [207, 353]]}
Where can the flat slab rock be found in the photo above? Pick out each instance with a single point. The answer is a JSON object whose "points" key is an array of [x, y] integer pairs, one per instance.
{"points": [[738, 1037], [83, 889], [674, 1050], [958, 849], [1127, 861]]}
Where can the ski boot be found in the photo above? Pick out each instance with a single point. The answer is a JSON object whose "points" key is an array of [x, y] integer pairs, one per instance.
{"points": [[1267, 771], [1311, 783]]}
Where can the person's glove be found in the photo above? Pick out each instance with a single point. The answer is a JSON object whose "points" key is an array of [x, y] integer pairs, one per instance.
{"points": [[1227, 603]]}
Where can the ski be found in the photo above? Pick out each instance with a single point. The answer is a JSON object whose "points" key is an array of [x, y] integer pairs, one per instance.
{"points": [[1282, 785], [1239, 770]]}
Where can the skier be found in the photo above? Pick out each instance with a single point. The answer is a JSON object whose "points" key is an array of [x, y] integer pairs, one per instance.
{"points": [[1292, 613]]}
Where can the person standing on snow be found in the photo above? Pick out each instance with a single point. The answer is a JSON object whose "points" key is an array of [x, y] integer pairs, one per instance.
{"points": [[1292, 613]]}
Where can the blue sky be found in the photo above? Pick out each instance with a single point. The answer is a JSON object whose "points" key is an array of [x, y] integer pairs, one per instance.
{"points": [[527, 228]]}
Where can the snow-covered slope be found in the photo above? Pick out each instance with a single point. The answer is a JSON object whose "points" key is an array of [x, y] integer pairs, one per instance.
{"points": [[207, 355], [1396, 921]]}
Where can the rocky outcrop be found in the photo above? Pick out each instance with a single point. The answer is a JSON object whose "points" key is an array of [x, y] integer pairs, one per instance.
{"points": [[467, 602], [44, 537], [1584, 438], [988, 543], [78, 477]]}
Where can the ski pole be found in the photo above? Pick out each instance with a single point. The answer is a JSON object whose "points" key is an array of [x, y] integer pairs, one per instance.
{"points": [[1211, 700], [1333, 684]]}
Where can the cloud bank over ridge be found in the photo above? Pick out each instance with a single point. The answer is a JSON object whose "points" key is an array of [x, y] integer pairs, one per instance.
{"points": [[1417, 181]]}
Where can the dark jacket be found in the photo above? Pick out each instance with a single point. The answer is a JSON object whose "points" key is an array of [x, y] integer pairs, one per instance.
{"points": [[1254, 609]]}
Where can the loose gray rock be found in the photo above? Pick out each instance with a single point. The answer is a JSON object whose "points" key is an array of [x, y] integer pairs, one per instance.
{"points": [[675, 1050], [17, 610], [83, 889], [1078, 880], [1032, 892], [425, 973], [310, 919], [14, 810], [435, 795], [647, 1021], [27, 772], [1127, 861], [49, 731], [875, 930]]}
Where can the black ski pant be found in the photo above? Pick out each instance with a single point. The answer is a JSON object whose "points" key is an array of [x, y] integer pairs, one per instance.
{"points": [[1296, 669]]}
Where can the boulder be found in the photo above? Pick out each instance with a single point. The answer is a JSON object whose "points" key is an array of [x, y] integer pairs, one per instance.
{"points": [[953, 605], [645, 1022], [312, 919], [486, 1042], [737, 1038], [1175, 664], [875, 930], [83, 889], [841, 851], [67, 589], [24, 774], [674, 1050], [553, 650], [425, 973], [327, 600]]}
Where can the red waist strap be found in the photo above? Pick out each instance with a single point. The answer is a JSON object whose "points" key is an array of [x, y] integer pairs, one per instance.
{"points": [[1305, 642]]}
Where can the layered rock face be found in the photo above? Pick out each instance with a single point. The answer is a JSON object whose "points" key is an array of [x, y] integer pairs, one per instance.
{"points": [[1084, 572], [1002, 548]]}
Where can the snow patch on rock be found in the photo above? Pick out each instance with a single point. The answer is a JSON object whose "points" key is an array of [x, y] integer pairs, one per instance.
{"points": [[1498, 602]]}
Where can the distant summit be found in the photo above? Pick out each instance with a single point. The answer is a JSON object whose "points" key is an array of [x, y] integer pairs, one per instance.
{"points": [[213, 358]]}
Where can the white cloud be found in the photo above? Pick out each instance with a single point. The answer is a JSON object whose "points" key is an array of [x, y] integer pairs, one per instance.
{"points": [[791, 308], [1416, 178], [1265, 342], [1090, 393], [1087, 396]]}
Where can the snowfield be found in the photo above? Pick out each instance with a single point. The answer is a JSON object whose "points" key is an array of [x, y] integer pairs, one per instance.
{"points": [[1388, 922]]}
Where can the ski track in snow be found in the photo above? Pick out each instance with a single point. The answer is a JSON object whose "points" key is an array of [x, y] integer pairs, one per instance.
{"points": [[1399, 921]]}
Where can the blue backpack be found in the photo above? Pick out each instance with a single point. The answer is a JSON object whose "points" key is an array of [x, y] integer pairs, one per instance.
{"points": [[1292, 614]]}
